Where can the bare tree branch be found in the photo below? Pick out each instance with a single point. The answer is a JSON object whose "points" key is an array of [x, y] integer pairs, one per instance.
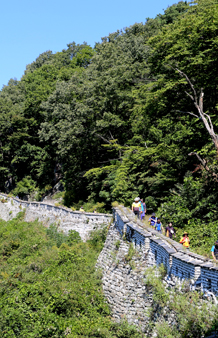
{"points": [[187, 112], [201, 99], [191, 85], [204, 164], [189, 95], [199, 106], [103, 138], [203, 161]]}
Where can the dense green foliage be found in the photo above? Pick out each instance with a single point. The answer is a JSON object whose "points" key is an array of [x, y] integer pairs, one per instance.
{"points": [[111, 121], [49, 284], [193, 318]]}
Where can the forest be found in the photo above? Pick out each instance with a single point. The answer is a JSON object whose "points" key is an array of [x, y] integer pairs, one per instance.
{"points": [[134, 116]]}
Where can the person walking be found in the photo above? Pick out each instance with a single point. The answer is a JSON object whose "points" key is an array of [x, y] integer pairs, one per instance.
{"points": [[152, 220], [170, 231], [185, 241], [143, 209], [214, 251], [136, 207], [158, 226]]}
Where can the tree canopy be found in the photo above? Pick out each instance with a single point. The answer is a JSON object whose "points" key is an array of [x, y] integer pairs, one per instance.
{"points": [[117, 119]]}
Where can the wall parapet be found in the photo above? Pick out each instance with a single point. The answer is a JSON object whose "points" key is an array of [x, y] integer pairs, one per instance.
{"points": [[65, 218], [59, 209], [181, 264]]}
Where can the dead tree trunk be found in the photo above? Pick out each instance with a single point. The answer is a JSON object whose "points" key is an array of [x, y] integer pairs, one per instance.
{"points": [[203, 116]]}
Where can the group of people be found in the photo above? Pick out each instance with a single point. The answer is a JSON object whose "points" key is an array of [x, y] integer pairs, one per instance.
{"points": [[139, 209]]}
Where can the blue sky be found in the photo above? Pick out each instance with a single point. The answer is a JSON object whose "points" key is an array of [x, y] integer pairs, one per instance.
{"points": [[29, 28]]}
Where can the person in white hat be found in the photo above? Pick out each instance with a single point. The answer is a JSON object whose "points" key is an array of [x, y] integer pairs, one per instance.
{"points": [[136, 206]]}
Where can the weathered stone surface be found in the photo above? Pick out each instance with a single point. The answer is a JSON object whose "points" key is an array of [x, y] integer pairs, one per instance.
{"points": [[129, 297], [64, 218]]}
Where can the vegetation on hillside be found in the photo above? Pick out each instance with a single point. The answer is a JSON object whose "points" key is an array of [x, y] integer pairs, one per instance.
{"points": [[117, 121], [49, 286], [190, 314]]}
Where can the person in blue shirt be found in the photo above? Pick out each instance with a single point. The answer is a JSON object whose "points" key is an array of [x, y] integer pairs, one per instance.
{"points": [[152, 220], [214, 251], [158, 225], [143, 205]]}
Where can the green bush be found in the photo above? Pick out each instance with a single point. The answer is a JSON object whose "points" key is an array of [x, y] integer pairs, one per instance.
{"points": [[131, 253], [57, 237], [49, 284], [97, 237], [25, 187], [193, 317], [117, 244]]}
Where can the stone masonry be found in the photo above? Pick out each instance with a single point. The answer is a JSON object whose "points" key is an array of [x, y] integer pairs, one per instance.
{"points": [[64, 218], [124, 281]]}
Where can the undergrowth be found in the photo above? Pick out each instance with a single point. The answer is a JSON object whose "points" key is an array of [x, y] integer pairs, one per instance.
{"points": [[192, 316], [49, 286]]}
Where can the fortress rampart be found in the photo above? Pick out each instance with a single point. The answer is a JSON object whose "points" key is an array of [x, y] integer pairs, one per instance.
{"points": [[66, 219], [180, 263], [124, 281]]}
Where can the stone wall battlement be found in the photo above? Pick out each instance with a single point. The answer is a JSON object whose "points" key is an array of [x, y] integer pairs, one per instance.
{"points": [[66, 219], [181, 264]]}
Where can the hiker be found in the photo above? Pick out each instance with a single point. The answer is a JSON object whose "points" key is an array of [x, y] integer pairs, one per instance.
{"points": [[136, 206], [81, 209], [214, 251], [143, 205], [158, 226], [95, 211], [170, 231], [152, 220], [185, 241]]}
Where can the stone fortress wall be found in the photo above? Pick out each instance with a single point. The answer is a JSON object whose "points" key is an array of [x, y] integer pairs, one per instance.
{"points": [[66, 219], [181, 263], [124, 283]]}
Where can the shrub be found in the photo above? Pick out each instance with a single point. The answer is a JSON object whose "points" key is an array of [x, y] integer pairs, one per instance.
{"points": [[73, 237], [51, 292], [131, 253], [97, 237], [117, 244], [57, 237], [25, 187]]}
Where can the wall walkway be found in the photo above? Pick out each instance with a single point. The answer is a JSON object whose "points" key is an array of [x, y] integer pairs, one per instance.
{"points": [[181, 264]]}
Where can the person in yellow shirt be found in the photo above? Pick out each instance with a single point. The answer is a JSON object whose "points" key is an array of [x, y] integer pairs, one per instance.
{"points": [[136, 206], [185, 241], [81, 209]]}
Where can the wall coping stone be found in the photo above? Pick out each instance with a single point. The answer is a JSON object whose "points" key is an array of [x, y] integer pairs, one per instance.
{"points": [[169, 250], [157, 240], [207, 265], [198, 256], [28, 203]]}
